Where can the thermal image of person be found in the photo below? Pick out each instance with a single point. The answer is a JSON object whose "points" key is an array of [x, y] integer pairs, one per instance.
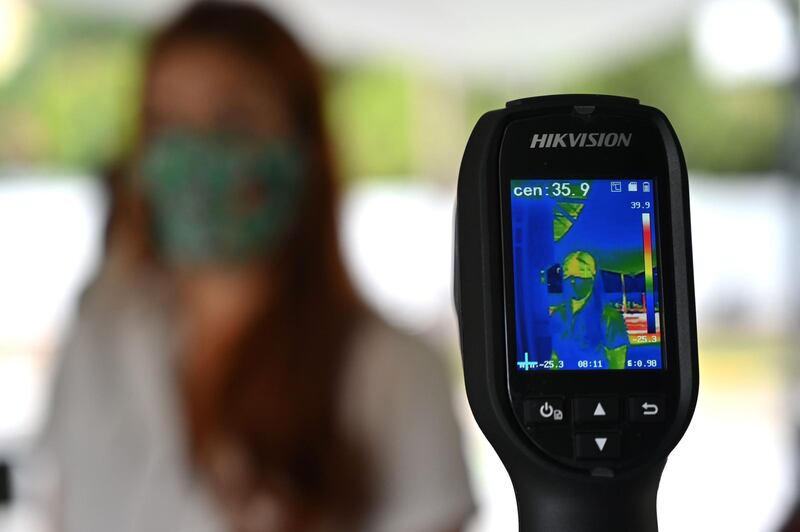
{"points": [[222, 374], [584, 328]]}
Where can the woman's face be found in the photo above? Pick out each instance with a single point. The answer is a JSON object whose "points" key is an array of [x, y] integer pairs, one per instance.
{"points": [[221, 168], [204, 87]]}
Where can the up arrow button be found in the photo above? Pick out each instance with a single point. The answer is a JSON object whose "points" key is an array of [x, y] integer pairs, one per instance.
{"points": [[595, 410]]}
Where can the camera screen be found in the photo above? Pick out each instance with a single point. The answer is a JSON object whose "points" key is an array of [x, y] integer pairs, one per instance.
{"points": [[586, 279]]}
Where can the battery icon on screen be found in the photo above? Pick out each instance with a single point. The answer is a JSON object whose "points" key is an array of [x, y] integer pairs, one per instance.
{"points": [[633, 186], [645, 187]]}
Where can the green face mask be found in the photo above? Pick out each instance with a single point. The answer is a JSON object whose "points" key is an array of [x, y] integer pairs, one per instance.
{"points": [[218, 199]]}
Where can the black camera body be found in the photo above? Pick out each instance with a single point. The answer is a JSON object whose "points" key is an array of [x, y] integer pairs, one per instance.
{"points": [[580, 362]]}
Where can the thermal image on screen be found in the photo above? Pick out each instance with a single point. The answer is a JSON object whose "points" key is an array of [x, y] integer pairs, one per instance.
{"points": [[586, 291]]}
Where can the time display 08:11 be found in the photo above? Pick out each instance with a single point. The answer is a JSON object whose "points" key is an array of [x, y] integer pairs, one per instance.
{"points": [[591, 364]]}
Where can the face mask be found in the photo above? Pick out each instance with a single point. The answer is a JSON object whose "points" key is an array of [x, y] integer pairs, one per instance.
{"points": [[220, 200]]}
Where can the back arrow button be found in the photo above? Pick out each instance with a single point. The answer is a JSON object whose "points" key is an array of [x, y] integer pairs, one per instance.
{"points": [[646, 409]]}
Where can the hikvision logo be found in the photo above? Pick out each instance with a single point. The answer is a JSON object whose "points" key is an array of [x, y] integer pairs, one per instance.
{"points": [[581, 140]]}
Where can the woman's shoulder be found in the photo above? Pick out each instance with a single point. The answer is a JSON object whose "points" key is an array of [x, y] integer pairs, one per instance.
{"points": [[115, 346], [117, 312], [399, 404], [381, 352], [392, 374], [115, 295]]}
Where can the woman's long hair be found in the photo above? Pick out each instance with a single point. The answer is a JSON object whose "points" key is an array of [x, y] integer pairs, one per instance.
{"points": [[276, 400]]}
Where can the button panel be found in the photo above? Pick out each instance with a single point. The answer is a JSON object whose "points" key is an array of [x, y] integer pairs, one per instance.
{"points": [[594, 428]]}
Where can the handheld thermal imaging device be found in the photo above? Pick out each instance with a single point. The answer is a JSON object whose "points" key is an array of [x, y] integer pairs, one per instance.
{"points": [[575, 299]]}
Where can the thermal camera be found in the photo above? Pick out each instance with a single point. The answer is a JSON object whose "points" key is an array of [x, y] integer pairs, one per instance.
{"points": [[574, 293]]}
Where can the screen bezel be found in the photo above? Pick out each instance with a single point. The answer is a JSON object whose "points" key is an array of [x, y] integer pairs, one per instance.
{"points": [[646, 158]]}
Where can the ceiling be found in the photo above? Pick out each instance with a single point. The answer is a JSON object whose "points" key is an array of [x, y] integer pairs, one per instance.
{"points": [[508, 38]]}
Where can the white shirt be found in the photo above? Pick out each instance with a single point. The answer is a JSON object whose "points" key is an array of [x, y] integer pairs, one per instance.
{"points": [[115, 433]]}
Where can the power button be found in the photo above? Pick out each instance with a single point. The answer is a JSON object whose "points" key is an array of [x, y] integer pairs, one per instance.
{"points": [[544, 410]]}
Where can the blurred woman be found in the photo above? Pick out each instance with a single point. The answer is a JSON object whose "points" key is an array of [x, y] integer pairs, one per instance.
{"points": [[222, 374]]}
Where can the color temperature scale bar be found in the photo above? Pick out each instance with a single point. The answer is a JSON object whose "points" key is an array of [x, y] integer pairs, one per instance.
{"points": [[650, 306]]}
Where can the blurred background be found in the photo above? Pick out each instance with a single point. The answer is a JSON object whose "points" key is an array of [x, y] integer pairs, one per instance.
{"points": [[406, 81]]}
